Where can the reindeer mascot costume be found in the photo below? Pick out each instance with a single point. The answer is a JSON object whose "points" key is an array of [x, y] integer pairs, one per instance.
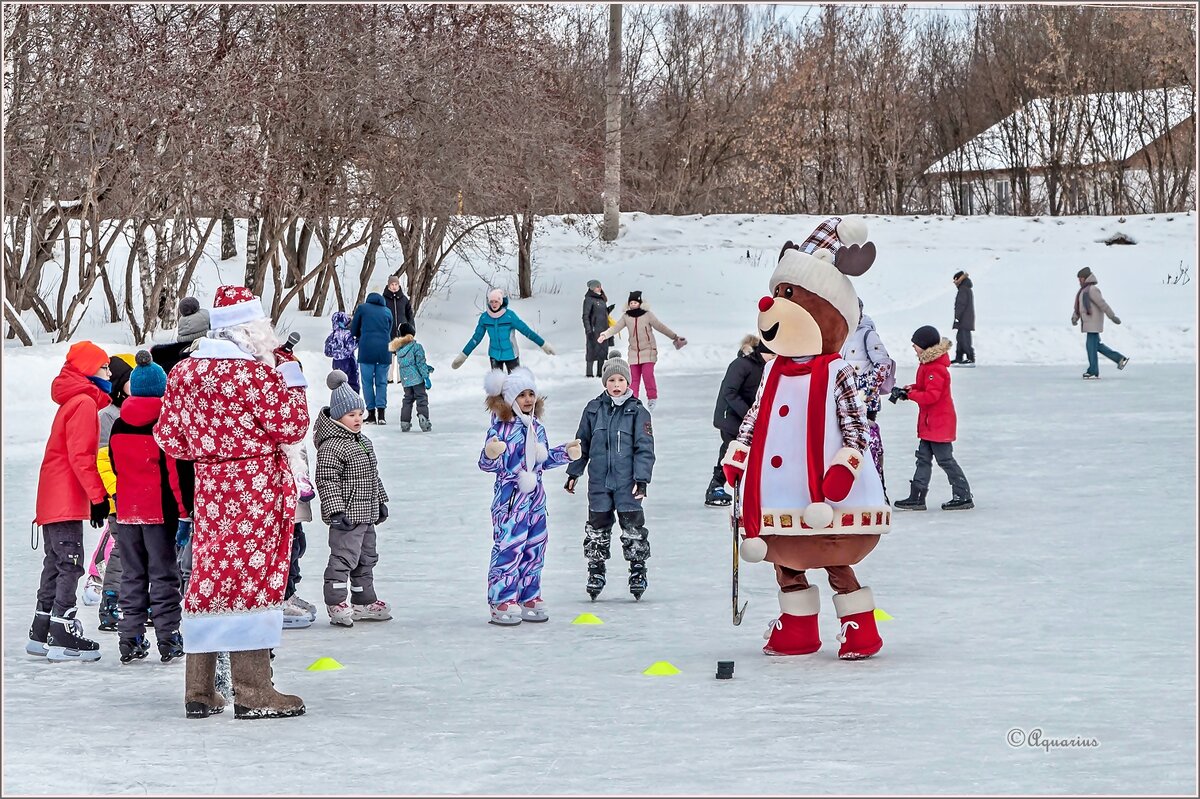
{"points": [[810, 495]]}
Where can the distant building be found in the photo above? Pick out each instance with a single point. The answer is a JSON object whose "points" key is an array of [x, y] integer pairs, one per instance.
{"points": [[1111, 153]]}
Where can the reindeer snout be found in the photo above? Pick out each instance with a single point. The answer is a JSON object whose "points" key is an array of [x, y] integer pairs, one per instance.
{"points": [[765, 304]]}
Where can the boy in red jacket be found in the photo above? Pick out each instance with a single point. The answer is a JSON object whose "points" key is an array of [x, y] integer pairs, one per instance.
{"points": [[69, 491], [936, 422], [151, 487]]}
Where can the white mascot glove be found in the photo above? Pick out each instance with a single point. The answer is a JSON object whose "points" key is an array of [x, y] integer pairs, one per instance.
{"points": [[458, 361], [546, 348], [494, 448]]}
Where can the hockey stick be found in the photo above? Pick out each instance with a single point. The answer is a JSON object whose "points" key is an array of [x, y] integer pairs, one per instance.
{"points": [[734, 519]]}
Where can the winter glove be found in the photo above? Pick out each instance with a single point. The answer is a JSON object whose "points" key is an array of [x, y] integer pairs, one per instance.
{"points": [[680, 343], [338, 521], [1116, 320], [428, 383], [570, 486], [1074, 321], [734, 464], [494, 448], [546, 348], [183, 533], [839, 477], [99, 513], [574, 450], [639, 490], [383, 513], [459, 360]]}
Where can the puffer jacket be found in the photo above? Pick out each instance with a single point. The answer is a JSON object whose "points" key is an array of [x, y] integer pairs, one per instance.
{"points": [[595, 321], [739, 388], [964, 306], [372, 326], [401, 309], [347, 474], [641, 323], [68, 481], [617, 443], [341, 342], [410, 358], [154, 487], [936, 419], [499, 330], [1090, 308]]}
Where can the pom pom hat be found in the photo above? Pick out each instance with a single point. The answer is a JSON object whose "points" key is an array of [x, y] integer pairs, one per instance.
{"points": [[344, 399], [147, 378], [811, 265]]}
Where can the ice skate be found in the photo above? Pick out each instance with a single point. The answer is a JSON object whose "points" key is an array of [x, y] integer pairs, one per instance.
{"points": [[36, 645], [295, 617], [595, 582], [717, 496], [170, 647], [506, 614], [308, 607], [341, 614], [534, 611], [66, 641], [132, 649], [110, 613], [376, 611], [637, 580], [93, 590]]}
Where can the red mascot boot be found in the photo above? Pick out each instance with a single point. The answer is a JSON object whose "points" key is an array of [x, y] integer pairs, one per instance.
{"points": [[795, 632], [859, 635]]}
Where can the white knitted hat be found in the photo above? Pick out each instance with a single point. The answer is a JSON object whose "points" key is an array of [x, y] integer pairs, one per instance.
{"points": [[811, 266]]}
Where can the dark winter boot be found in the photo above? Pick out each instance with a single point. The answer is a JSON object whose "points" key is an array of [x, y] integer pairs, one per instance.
{"points": [[959, 503], [254, 696], [915, 501], [370, 417], [110, 612], [170, 647], [595, 583], [65, 640], [37, 634], [716, 495], [133, 648], [200, 696], [380, 418], [637, 579]]}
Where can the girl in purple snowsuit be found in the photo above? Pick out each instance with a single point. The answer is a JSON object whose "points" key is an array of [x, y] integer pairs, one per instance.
{"points": [[519, 501], [341, 345]]}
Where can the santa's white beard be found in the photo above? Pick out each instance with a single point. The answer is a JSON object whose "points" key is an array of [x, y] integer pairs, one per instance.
{"points": [[255, 338]]}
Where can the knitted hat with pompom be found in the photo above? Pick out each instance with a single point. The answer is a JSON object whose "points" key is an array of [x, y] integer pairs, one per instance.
{"points": [[147, 378], [344, 399]]}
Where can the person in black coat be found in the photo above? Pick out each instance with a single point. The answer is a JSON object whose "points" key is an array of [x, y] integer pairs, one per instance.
{"points": [[595, 322], [964, 319], [399, 305], [737, 393]]}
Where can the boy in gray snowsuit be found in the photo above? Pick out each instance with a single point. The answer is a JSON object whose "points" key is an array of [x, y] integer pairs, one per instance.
{"points": [[617, 441]]}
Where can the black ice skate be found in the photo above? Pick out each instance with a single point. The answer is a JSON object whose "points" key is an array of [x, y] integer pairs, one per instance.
{"points": [[717, 496], [66, 641], [170, 647], [38, 631], [637, 579], [133, 648], [595, 583]]}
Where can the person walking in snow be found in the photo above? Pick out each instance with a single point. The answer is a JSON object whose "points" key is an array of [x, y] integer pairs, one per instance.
{"points": [[964, 320], [643, 347], [353, 502], [150, 503], [517, 451], [739, 387], [1090, 310], [500, 323], [340, 345], [399, 304], [414, 376], [875, 372], [372, 328], [69, 490], [937, 422], [617, 449], [231, 407], [595, 322]]}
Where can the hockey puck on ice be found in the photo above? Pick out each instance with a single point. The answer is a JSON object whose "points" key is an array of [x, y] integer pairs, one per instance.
{"points": [[724, 669]]}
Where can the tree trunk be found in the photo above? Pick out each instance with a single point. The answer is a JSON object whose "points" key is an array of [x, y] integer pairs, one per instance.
{"points": [[15, 326], [612, 129], [252, 225], [228, 245], [523, 226]]}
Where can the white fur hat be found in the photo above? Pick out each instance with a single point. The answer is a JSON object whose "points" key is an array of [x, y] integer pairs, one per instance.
{"points": [[510, 385], [811, 265]]}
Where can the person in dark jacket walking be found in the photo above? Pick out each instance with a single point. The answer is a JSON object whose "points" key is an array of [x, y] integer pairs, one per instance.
{"points": [[738, 390], [964, 319], [595, 322], [937, 423], [372, 327], [617, 442], [396, 302], [150, 503]]}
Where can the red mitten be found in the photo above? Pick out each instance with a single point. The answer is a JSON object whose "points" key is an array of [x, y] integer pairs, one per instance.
{"points": [[839, 477], [732, 474], [737, 456]]}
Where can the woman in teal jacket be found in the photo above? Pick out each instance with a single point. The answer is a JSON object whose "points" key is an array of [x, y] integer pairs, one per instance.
{"points": [[500, 323]]}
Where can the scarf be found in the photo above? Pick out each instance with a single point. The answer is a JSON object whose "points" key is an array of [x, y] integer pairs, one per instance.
{"points": [[619, 401], [102, 384], [818, 391], [636, 312], [1083, 300]]}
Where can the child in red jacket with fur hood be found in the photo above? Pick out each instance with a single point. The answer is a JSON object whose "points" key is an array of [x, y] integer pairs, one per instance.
{"points": [[936, 422]]}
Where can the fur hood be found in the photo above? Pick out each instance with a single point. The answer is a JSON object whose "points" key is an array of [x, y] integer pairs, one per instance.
{"points": [[936, 351], [402, 341], [502, 411], [748, 344]]}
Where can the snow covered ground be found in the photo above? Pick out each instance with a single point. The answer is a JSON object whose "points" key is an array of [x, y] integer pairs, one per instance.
{"points": [[1066, 602]]}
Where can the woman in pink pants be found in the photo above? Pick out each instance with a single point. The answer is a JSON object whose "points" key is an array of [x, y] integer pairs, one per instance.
{"points": [[643, 348]]}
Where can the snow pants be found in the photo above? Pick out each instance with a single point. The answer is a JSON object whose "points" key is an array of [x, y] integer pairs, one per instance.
{"points": [[640, 372], [150, 579], [965, 352], [518, 545], [352, 559], [61, 567], [414, 395], [350, 367], [927, 451], [597, 535]]}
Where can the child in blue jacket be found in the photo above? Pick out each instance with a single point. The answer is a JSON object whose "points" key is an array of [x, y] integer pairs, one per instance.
{"points": [[517, 452], [618, 452], [501, 324], [414, 376]]}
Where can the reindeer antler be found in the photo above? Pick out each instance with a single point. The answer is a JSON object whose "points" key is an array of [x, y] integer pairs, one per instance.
{"points": [[854, 260]]}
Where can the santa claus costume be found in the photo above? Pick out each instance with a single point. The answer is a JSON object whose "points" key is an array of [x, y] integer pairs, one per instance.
{"points": [[231, 412]]}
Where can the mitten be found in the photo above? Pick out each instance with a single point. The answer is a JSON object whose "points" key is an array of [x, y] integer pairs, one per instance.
{"points": [[839, 477], [183, 533], [99, 512], [680, 343], [1116, 320], [383, 513], [574, 450], [458, 361], [734, 463], [546, 348], [428, 383], [639, 490], [494, 448], [570, 486]]}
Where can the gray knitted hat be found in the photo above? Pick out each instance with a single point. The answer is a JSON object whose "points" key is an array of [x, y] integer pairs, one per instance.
{"points": [[193, 320], [616, 365], [344, 399]]}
